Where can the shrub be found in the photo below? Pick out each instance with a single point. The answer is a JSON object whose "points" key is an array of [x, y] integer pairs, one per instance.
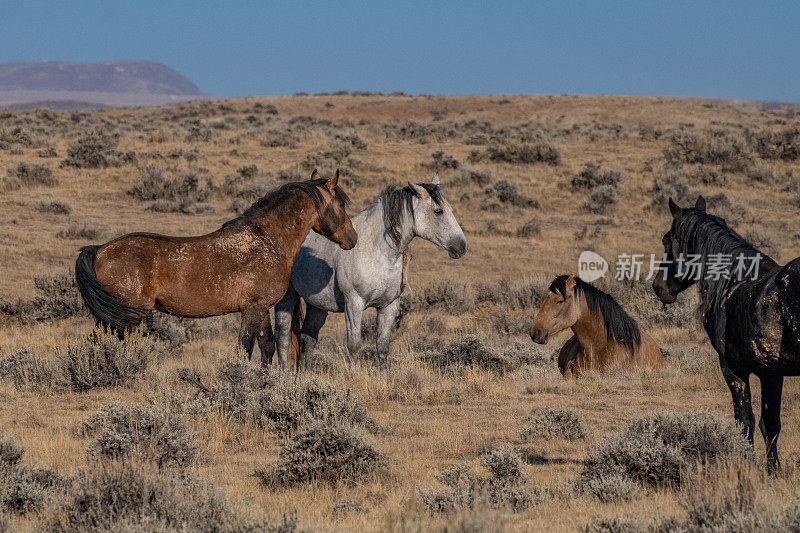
{"points": [[75, 232], [519, 154], [532, 228], [454, 297], [471, 350], [102, 360], [479, 177], [521, 294], [277, 138], [655, 448], [56, 207], [502, 485], [442, 161], [600, 199], [716, 147], [783, 144], [26, 369], [131, 495], [610, 489], [328, 453], [331, 158], [96, 149], [22, 488], [549, 422], [591, 176], [55, 296], [150, 432], [277, 401], [613, 525], [507, 191], [155, 185], [671, 182], [27, 174], [760, 171], [708, 176]]}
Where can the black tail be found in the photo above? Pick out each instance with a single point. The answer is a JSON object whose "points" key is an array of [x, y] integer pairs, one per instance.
{"points": [[105, 308]]}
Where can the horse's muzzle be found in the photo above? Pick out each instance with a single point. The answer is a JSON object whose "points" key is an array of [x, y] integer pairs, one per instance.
{"points": [[663, 294], [539, 336], [457, 248], [349, 242]]}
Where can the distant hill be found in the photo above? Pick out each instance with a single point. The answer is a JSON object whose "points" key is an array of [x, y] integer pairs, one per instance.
{"points": [[62, 84]]}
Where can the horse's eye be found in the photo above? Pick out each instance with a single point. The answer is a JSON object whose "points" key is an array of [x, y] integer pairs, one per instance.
{"points": [[438, 212], [560, 301]]}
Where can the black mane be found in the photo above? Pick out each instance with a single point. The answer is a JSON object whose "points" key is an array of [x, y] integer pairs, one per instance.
{"points": [[698, 232], [396, 200], [310, 187], [620, 327]]}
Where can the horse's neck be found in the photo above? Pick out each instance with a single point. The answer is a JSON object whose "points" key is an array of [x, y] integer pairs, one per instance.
{"points": [[714, 292], [590, 329], [290, 221], [374, 230]]}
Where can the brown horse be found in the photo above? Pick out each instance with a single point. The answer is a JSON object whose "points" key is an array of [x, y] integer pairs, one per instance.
{"points": [[244, 266], [604, 334]]}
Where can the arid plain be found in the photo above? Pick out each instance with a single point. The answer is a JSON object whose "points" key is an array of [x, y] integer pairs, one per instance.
{"points": [[534, 180]]}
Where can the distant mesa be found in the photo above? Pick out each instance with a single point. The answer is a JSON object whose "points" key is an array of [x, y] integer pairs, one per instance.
{"points": [[66, 85]]}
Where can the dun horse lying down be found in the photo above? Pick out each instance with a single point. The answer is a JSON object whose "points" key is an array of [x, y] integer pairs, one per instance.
{"points": [[243, 266], [604, 334]]}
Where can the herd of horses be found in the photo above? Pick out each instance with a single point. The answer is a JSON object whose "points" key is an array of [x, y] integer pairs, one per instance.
{"points": [[268, 257]]}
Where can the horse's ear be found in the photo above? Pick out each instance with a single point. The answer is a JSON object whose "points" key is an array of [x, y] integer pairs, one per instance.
{"points": [[435, 179], [569, 286], [416, 189], [331, 183], [315, 175], [700, 205], [675, 209]]}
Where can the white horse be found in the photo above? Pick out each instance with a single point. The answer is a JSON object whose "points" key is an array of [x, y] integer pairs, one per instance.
{"points": [[370, 275]]}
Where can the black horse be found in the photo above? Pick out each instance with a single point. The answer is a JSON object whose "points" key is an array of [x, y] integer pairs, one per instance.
{"points": [[752, 318]]}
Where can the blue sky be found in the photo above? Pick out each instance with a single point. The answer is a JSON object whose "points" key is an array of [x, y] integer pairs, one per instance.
{"points": [[702, 48]]}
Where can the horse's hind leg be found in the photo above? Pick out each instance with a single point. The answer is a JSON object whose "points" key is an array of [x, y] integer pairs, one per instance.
{"points": [[309, 334], [770, 424], [386, 317], [284, 312]]}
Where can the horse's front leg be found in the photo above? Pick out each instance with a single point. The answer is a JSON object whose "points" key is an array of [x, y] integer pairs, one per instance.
{"points": [[251, 322], [770, 424], [353, 311], [266, 341], [386, 318], [740, 392]]}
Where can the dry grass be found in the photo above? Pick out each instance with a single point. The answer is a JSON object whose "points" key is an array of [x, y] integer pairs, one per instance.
{"points": [[465, 382]]}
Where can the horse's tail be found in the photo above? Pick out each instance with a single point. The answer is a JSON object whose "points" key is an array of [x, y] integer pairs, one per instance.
{"points": [[294, 341], [105, 308]]}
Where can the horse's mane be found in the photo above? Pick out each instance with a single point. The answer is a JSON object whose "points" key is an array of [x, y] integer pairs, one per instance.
{"points": [[396, 200], [620, 327], [310, 187], [698, 232]]}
